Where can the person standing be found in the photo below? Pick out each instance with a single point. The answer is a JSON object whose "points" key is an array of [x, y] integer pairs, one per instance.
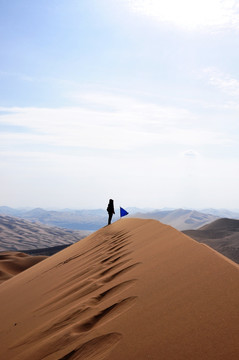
{"points": [[110, 210]]}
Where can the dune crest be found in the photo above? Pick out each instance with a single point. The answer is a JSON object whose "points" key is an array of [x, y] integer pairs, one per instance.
{"points": [[136, 289]]}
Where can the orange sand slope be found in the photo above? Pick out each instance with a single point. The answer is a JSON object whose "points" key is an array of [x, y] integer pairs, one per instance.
{"points": [[136, 289], [12, 263]]}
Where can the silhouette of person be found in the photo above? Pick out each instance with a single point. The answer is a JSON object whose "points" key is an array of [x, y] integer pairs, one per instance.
{"points": [[111, 210]]}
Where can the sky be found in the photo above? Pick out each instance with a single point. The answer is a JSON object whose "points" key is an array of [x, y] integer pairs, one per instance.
{"points": [[134, 100]]}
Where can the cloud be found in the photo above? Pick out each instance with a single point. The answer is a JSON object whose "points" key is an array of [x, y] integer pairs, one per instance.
{"points": [[189, 14], [191, 153], [106, 133], [222, 81], [108, 146], [105, 122]]}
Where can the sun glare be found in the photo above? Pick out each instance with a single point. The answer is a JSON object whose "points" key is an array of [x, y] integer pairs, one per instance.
{"points": [[191, 14]]}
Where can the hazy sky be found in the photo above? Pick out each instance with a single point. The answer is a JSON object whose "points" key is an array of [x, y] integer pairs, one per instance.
{"points": [[135, 100]]}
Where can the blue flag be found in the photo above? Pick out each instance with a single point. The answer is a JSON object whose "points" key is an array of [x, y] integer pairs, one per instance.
{"points": [[123, 212]]}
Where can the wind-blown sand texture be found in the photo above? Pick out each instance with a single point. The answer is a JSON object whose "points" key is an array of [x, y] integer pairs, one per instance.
{"points": [[19, 235], [12, 263], [136, 289], [222, 235]]}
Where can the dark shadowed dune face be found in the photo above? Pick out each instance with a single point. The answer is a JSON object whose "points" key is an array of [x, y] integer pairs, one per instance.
{"points": [[222, 235], [223, 224]]}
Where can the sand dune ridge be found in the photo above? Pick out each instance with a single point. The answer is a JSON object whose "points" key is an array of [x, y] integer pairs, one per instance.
{"points": [[136, 289]]}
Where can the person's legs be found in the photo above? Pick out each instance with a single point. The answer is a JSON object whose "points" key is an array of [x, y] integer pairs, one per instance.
{"points": [[110, 217]]}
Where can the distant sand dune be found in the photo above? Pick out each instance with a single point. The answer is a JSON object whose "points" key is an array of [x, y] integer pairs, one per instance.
{"points": [[222, 235], [19, 235], [12, 263], [136, 290]]}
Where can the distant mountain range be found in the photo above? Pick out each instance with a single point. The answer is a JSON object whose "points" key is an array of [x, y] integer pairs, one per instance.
{"points": [[69, 219], [181, 219], [222, 213], [19, 235], [222, 235]]}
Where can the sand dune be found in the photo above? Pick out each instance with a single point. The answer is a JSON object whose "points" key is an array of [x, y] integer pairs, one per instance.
{"points": [[136, 289], [19, 235], [222, 235], [12, 263], [222, 225]]}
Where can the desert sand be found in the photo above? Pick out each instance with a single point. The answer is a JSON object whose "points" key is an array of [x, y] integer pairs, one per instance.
{"points": [[12, 263], [136, 289]]}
